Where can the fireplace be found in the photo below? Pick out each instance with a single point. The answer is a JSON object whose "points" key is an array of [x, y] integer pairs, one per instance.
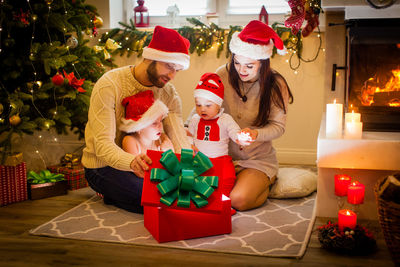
{"points": [[373, 72]]}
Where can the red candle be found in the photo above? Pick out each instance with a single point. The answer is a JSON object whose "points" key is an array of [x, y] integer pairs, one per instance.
{"points": [[347, 218], [342, 182], [355, 193]]}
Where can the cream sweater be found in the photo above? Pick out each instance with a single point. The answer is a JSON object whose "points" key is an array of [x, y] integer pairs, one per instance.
{"points": [[102, 135]]}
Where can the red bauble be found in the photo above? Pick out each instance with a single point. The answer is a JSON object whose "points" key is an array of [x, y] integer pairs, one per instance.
{"points": [[58, 79]]}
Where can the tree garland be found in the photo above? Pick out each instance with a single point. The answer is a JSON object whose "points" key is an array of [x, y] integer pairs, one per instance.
{"points": [[203, 37]]}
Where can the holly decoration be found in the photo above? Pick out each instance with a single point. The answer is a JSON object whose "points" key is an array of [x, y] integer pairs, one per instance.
{"points": [[58, 79]]}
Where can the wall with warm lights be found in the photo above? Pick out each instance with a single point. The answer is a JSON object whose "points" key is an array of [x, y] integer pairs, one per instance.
{"points": [[299, 143]]}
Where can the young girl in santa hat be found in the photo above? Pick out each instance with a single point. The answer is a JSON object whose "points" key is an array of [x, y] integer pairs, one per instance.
{"points": [[257, 97], [143, 124]]}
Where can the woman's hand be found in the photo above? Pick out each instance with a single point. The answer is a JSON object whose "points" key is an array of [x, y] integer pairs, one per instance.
{"points": [[139, 164]]}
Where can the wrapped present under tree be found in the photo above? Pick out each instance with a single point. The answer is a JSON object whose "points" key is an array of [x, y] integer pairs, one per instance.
{"points": [[13, 185], [46, 184], [183, 199], [72, 170]]}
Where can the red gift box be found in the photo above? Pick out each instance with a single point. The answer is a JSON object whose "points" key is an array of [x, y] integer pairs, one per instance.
{"points": [[171, 223], [13, 184], [75, 176]]}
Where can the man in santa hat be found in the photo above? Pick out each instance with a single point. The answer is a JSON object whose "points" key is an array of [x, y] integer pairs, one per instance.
{"points": [[109, 170]]}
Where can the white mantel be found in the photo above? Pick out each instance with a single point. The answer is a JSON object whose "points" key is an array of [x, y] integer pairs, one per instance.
{"points": [[368, 159]]}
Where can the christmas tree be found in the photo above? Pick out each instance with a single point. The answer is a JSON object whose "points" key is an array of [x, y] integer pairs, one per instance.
{"points": [[47, 68]]}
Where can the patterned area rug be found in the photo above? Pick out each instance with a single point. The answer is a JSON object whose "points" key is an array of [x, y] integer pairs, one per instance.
{"points": [[280, 228]]}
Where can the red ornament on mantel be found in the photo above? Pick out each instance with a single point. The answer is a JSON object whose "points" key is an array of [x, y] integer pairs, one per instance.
{"points": [[263, 15], [141, 15]]}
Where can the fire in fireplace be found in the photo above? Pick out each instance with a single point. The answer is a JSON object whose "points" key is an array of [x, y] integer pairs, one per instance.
{"points": [[374, 72]]}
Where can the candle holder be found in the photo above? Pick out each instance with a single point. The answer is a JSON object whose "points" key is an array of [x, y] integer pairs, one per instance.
{"points": [[342, 182], [340, 202], [357, 241]]}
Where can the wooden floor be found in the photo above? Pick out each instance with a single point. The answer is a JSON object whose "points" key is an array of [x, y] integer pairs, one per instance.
{"points": [[19, 248]]}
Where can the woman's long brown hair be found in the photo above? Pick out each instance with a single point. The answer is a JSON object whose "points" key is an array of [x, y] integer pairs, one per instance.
{"points": [[269, 88]]}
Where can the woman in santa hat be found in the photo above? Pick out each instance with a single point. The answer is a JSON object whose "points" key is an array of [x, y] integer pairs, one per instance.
{"points": [[257, 97]]}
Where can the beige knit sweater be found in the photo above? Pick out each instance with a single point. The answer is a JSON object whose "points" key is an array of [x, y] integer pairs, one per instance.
{"points": [[102, 135], [260, 155]]}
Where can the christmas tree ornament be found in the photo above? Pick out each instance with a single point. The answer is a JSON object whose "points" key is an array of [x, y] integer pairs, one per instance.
{"points": [[297, 17], [15, 120], [72, 42], [58, 79], [112, 45], [1, 108], [141, 15], [98, 21]]}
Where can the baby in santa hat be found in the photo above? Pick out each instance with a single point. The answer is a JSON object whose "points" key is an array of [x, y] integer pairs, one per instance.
{"points": [[143, 124], [210, 127]]}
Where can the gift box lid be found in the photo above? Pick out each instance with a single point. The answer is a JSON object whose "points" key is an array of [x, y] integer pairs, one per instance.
{"points": [[151, 195]]}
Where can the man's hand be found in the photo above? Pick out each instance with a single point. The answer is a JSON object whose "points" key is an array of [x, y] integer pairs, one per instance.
{"points": [[139, 164]]}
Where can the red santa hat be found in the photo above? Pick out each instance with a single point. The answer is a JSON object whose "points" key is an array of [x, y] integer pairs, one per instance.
{"points": [[210, 87], [141, 110], [168, 45], [256, 41]]}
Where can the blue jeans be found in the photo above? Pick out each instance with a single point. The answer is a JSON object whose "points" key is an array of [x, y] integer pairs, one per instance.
{"points": [[119, 188]]}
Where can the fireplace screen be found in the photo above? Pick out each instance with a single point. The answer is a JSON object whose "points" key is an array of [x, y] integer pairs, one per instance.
{"points": [[374, 73]]}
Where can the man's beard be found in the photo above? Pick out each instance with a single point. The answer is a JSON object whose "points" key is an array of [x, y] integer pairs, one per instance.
{"points": [[153, 76]]}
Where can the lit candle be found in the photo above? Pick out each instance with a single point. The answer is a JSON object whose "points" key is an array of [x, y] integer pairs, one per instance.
{"points": [[347, 218], [352, 116], [342, 182], [334, 118], [355, 193], [353, 129]]}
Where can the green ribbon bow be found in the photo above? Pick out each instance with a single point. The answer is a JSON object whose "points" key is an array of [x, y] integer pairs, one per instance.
{"points": [[182, 180], [44, 176]]}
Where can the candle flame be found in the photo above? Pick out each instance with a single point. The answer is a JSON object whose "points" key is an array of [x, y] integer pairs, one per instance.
{"points": [[334, 101], [347, 212]]}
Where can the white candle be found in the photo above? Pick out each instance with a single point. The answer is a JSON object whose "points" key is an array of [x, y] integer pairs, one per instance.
{"points": [[353, 130], [349, 117], [334, 118]]}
